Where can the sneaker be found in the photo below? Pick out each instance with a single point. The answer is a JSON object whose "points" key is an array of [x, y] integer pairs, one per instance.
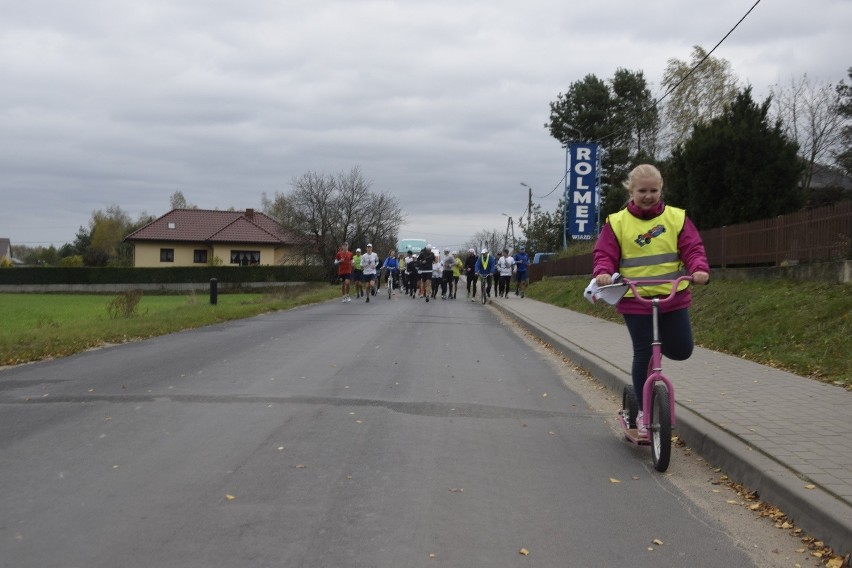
{"points": [[640, 425], [368, 299], [522, 294], [427, 299], [344, 299]]}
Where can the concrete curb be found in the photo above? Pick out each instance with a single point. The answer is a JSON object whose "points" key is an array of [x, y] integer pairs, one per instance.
{"points": [[815, 511]]}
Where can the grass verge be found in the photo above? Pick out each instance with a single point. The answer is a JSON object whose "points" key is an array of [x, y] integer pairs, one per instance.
{"points": [[40, 326], [801, 327]]}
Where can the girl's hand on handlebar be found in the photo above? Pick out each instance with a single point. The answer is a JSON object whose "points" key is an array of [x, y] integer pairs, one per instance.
{"points": [[603, 279], [700, 277]]}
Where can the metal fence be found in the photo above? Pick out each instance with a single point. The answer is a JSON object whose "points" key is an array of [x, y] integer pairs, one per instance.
{"points": [[816, 235]]}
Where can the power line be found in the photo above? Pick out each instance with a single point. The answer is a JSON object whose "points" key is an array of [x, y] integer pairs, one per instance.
{"points": [[709, 53], [691, 71]]}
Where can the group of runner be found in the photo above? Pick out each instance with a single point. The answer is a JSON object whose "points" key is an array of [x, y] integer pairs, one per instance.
{"points": [[422, 276], [499, 271]]}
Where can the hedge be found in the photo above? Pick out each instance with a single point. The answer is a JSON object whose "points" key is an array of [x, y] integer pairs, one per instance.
{"points": [[170, 275]]}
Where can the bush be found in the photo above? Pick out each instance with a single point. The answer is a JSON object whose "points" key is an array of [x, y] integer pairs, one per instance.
{"points": [[125, 305]]}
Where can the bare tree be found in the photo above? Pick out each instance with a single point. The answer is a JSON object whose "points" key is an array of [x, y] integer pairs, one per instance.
{"points": [[332, 209], [492, 240], [810, 116], [698, 92]]}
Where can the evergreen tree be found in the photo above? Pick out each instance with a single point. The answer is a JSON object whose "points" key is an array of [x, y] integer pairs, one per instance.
{"points": [[735, 168], [844, 108]]}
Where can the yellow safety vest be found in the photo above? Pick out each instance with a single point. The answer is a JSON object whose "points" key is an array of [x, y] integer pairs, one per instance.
{"points": [[649, 248]]}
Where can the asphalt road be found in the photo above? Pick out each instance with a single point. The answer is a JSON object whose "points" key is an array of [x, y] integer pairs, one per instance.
{"points": [[390, 434]]}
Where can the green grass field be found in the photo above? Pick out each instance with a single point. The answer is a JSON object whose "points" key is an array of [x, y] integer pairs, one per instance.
{"points": [[38, 326], [803, 327]]}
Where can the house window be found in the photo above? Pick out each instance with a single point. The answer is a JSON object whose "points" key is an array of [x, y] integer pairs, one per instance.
{"points": [[245, 257], [199, 256], [167, 255]]}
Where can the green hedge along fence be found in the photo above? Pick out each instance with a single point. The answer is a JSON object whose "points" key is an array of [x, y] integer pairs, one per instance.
{"points": [[171, 275]]}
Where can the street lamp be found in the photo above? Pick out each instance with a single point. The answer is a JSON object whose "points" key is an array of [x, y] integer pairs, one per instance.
{"points": [[573, 128]]}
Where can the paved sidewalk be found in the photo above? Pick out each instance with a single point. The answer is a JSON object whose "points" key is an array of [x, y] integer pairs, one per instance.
{"points": [[775, 432]]}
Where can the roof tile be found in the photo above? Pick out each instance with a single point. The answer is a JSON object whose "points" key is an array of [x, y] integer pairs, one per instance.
{"points": [[202, 225]]}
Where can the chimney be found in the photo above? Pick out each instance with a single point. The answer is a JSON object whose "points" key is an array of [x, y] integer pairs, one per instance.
{"points": [[250, 214]]}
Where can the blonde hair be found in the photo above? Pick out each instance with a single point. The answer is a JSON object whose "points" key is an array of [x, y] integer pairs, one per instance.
{"points": [[642, 171]]}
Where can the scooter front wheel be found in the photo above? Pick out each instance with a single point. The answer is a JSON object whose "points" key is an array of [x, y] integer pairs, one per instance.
{"points": [[661, 427]]}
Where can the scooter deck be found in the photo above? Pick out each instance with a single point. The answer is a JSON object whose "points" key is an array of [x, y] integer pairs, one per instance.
{"points": [[632, 434]]}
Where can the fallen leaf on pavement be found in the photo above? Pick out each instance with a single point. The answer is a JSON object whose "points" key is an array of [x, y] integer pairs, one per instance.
{"points": [[524, 552], [229, 497], [658, 542], [810, 486], [614, 480]]}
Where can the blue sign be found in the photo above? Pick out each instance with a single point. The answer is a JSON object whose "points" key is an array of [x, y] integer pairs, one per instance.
{"points": [[581, 190]]}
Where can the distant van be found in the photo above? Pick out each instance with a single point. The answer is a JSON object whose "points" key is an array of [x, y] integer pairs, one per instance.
{"points": [[542, 257], [415, 245]]}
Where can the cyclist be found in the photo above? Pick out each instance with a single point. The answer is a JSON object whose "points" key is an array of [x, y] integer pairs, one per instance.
{"points": [[391, 268], [470, 272], [369, 265], [522, 261], [424, 269], [674, 249], [484, 268], [343, 261]]}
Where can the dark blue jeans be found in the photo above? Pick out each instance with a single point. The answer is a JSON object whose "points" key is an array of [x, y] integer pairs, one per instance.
{"points": [[675, 335]]}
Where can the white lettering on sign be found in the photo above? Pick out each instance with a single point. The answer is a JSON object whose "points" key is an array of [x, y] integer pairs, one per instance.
{"points": [[583, 168]]}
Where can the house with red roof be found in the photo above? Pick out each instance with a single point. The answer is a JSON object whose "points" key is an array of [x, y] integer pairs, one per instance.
{"points": [[194, 237]]}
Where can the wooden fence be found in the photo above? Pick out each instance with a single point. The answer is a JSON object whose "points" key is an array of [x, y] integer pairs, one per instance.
{"points": [[817, 235]]}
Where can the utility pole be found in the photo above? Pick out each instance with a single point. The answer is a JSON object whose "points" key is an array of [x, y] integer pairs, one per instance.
{"points": [[529, 207]]}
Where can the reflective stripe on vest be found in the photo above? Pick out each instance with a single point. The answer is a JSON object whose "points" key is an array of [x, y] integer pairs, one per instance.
{"points": [[649, 248]]}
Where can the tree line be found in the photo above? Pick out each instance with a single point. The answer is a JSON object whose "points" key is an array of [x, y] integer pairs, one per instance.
{"points": [[725, 157]]}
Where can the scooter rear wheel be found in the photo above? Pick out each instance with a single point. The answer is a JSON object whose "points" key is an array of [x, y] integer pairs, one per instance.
{"points": [[629, 406]]}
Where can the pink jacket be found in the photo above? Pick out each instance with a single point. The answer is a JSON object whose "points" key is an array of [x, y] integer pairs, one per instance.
{"points": [[607, 257]]}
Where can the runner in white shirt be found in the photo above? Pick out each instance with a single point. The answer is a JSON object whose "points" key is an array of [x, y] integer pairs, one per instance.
{"points": [[369, 264], [506, 265], [437, 275]]}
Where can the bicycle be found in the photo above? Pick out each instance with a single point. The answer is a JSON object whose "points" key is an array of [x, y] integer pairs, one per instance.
{"points": [[658, 398], [391, 272], [483, 282]]}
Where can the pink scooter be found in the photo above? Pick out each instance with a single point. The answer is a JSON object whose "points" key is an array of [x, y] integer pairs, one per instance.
{"points": [[658, 400]]}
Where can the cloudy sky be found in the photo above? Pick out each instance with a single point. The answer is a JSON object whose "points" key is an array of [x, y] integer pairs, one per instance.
{"points": [[439, 102]]}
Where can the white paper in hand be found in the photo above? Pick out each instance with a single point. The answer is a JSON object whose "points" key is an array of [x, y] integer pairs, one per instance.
{"points": [[611, 294]]}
